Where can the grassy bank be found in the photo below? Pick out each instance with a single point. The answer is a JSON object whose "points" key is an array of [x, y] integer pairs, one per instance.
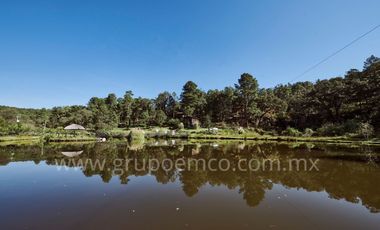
{"points": [[71, 139], [4, 139], [19, 138], [228, 134], [188, 134], [341, 139]]}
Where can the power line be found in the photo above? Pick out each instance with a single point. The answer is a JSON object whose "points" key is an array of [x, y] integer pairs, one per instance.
{"points": [[335, 53]]}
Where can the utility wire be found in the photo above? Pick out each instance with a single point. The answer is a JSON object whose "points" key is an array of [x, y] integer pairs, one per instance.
{"points": [[335, 53]]}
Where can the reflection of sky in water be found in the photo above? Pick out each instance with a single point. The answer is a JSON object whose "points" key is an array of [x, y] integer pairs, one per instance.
{"points": [[41, 196]]}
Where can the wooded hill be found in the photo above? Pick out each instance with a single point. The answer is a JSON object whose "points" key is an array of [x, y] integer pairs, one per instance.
{"points": [[334, 106]]}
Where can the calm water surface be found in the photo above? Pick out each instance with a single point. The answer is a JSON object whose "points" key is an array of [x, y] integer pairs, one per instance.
{"points": [[44, 187]]}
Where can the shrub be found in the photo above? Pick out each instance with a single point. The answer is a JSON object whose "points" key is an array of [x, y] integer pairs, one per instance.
{"points": [[365, 130], [102, 134], [196, 124], [271, 132], [17, 129], [240, 130], [119, 134], [291, 132], [160, 118], [136, 134], [180, 126], [257, 130], [223, 125], [350, 126], [175, 124], [207, 122], [308, 132], [331, 129]]}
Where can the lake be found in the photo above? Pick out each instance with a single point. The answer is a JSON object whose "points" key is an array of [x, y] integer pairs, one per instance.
{"points": [[181, 185]]}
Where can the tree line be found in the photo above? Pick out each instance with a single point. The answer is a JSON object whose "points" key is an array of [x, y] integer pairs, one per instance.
{"points": [[334, 106]]}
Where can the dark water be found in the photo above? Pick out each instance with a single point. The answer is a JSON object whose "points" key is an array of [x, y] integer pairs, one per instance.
{"points": [[38, 192]]}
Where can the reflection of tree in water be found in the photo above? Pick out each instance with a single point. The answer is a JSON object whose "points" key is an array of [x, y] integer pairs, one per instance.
{"points": [[192, 181], [343, 175], [164, 176], [253, 190]]}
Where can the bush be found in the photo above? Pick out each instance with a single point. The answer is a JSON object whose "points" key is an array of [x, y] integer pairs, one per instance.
{"points": [[196, 125], [207, 122], [241, 130], [271, 133], [102, 134], [330, 129], [291, 132], [308, 132], [365, 130], [223, 125], [180, 126], [17, 129], [350, 126], [136, 134], [160, 118], [257, 130], [175, 124]]}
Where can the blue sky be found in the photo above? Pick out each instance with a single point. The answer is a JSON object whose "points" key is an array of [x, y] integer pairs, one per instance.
{"points": [[64, 52]]}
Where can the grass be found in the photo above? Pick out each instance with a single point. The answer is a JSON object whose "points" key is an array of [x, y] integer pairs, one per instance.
{"points": [[19, 138], [72, 139], [188, 134], [136, 134], [51, 137], [229, 134]]}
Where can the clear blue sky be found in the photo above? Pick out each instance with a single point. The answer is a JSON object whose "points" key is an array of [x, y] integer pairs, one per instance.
{"points": [[64, 52]]}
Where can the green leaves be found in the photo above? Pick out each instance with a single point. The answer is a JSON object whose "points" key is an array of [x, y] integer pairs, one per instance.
{"points": [[323, 105], [192, 100]]}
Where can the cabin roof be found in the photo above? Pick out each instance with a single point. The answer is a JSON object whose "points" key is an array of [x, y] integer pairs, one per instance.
{"points": [[74, 127]]}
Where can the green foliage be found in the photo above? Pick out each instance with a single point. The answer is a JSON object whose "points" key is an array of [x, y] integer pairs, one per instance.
{"points": [[196, 124], [246, 102], [142, 110], [136, 134], [180, 126], [175, 124], [329, 129], [3, 127], [370, 62], [269, 107], [335, 106], [308, 132], [240, 130], [63, 116], [291, 132], [114, 133], [338, 129], [29, 119], [192, 100], [207, 121], [220, 104], [125, 107], [7, 128], [366, 130], [160, 117], [167, 103], [103, 116]]}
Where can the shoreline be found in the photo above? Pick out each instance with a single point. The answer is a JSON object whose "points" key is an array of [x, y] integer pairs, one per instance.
{"points": [[196, 136]]}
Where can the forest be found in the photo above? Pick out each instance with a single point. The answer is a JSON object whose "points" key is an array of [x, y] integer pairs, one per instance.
{"points": [[329, 107]]}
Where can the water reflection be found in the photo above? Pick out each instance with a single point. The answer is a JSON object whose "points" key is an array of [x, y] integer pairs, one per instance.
{"points": [[72, 153], [349, 173]]}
